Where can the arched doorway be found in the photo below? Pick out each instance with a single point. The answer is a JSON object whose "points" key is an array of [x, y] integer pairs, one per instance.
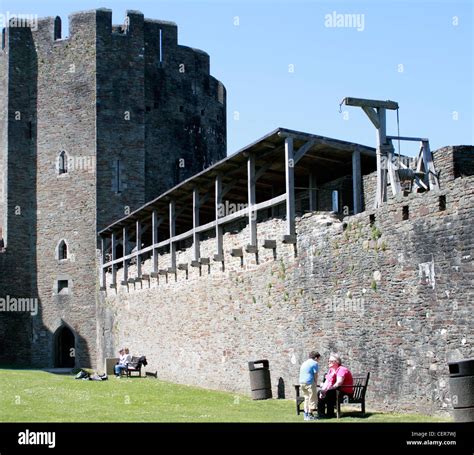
{"points": [[64, 348]]}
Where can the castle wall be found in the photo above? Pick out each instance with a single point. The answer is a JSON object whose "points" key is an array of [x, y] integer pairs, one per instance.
{"points": [[394, 298], [66, 202], [120, 118], [176, 125], [89, 95], [185, 110]]}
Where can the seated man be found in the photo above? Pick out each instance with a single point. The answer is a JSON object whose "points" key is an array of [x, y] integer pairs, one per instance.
{"points": [[124, 359], [337, 376]]}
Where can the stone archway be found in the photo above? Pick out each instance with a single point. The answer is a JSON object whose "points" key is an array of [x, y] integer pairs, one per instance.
{"points": [[64, 348]]}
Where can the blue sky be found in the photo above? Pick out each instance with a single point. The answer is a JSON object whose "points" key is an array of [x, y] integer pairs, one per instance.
{"points": [[418, 53]]}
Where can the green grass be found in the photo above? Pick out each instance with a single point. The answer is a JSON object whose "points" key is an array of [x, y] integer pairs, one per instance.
{"points": [[38, 396]]}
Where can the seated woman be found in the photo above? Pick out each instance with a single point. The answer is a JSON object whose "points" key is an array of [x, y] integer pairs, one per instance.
{"points": [[337, 376], [124, 360]]}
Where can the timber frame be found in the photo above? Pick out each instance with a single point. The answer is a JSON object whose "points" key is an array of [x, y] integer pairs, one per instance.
{"points": [[263, 175], [425, 176]]}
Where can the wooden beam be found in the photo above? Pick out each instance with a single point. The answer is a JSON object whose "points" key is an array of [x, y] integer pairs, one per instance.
{"points": [[237, 253], [264, 168], [328, 142], [362, 102], [323, 158], [274, 211], [260, 206], [113, 241], [356, 182], [391, 172], [303, 150], [381, 192], [405, 138], [290, 186], [372, 114], [196, 245], [251, 199], [124, 249], [313, 192], [103, 279], [218, 205], [431, 178], [270, 244], [139, 247], [155, 223], [172, 226]]}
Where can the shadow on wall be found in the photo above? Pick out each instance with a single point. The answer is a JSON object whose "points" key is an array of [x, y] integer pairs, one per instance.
{"points": [[69, 349], [18, 263], [24, 340]]}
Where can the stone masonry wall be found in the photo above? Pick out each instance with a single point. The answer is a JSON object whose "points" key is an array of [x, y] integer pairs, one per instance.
{"points": [[102, 96], [66, 202], [393, 298]]}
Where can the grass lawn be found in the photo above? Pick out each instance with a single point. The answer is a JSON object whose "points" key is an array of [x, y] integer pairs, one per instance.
{"points": [[38, 396]]}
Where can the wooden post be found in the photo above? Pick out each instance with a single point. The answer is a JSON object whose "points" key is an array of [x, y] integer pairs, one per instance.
{"points": [[381, 195], [290, 187], [251, 199], [125, 247], [154, 235], [138, 226], [172, 234], [376, 111], [313, 193], [431, 178], [196, 246], [391, 170], [114, 257], [219, 229], [356, 182], [103, 280], [274, 208]]}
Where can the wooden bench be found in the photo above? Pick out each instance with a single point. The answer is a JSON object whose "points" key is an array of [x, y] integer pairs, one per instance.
{"points": [[359, 387], [358, 397], [134, 367], [299, 400]]}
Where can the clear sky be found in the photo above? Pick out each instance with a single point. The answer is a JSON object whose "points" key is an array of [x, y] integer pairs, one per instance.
{"points": [[285, 64]]}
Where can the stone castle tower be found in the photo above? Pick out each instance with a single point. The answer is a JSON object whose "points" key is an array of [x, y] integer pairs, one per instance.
{"points": [[91, 127]]}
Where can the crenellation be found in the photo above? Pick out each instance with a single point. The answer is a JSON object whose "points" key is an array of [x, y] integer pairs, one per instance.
{"points": [[164, 32]]}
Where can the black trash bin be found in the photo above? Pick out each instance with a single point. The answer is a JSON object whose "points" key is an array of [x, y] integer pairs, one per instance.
{"points": [[461, 385], [260, 380]]}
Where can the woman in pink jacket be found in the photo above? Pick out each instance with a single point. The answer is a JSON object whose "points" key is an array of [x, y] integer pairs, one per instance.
{"points": [[337, 376]]}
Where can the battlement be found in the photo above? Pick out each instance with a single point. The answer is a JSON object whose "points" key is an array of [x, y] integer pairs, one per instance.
{"points": [[134, 24], [95, 27]]}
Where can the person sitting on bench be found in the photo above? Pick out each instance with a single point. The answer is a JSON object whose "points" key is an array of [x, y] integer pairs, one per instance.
{"points": [[124, 360], [337, 376]]}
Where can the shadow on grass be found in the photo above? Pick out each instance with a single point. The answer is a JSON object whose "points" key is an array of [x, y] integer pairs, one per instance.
{"points": [[62, 371], [358, 414]]}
